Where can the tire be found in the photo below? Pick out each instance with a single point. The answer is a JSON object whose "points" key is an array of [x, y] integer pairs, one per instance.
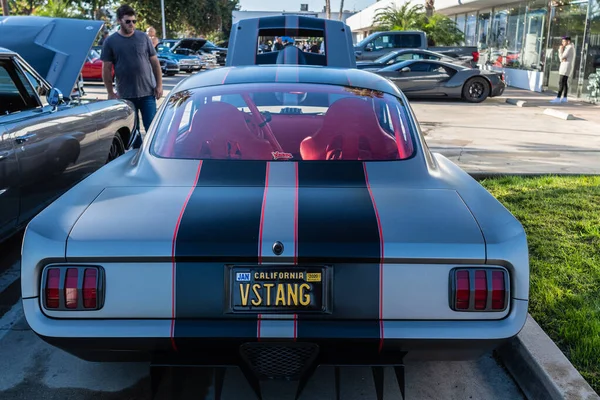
{"points": [[476, 90], [117, 148]]}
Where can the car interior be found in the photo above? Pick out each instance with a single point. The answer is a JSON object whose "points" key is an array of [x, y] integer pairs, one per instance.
{"points": [[284, 125], [14, 95]]}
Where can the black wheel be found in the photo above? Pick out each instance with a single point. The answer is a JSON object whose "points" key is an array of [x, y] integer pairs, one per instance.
{"points": [[117, 148], [476, 90]]}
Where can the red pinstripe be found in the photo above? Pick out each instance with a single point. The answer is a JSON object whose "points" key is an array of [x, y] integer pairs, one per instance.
{"points": [[260, 236], [296, 242], [380, 259], [173, 269]]}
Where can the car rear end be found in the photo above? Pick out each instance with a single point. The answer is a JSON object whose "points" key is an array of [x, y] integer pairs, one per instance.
{"points": [[277, 262], [497, 81]]}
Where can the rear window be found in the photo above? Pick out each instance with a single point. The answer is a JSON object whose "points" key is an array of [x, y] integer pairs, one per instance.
{"points": [[283, 122]]}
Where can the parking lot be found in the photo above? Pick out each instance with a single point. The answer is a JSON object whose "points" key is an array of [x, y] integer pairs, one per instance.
{"points": [[493, 137]]}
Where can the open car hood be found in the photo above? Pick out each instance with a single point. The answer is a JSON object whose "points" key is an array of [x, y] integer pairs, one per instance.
{"points": [[56, 48], [192, 44]]}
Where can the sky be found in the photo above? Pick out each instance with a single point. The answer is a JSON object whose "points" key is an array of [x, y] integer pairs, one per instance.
{"points": [[294, 5]]}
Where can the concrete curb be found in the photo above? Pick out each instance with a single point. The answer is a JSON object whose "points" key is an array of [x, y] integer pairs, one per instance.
{"points": [[519, 103], [493, 175], [539, 367], [558, 114]]}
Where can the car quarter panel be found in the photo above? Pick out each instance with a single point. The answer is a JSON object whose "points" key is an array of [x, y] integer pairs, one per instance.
{"points": [[505, 238], [110, 117], [46, 235]]}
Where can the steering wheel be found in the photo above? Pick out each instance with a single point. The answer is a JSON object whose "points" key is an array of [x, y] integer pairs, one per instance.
{"points": [[265, 131]]}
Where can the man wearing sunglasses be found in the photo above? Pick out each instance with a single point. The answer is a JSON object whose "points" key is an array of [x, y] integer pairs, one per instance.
{"points": [[137, 69]]}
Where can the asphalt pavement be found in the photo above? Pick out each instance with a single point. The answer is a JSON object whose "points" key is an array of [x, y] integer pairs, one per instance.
{"points": [[492, 136]]}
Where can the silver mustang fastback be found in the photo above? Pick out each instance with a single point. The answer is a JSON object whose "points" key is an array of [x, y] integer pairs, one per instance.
{"points": [[276, 218]]}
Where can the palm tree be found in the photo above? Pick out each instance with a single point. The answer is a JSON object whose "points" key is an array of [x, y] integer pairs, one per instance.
{"points": [[429, 8], [328, 9], [441, 30], [56, 9], [341, 8], [403, 18]]}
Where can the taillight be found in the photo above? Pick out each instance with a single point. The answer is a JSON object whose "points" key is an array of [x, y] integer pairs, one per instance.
{"points": [[475, 55], [462, 290], [90, 288], [73, 288], [498, 290], [479, 289], [52, 288]]}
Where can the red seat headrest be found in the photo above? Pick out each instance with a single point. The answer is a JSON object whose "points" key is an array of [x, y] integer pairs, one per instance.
{"points": [[219, 130], [350, 131]]}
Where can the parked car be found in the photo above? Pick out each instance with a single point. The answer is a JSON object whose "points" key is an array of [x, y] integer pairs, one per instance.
{"points": [[92, 68], [380, 43], [199, 46], [438, 79], [49, 139], [396, 56], [302, 221], [168, 66], [188, 61]]}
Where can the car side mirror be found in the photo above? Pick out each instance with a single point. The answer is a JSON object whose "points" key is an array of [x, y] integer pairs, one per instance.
{"points": [[369, 47], [54, 98], [405, 69]]}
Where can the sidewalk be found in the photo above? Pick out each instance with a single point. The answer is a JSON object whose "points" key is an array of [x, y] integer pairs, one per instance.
{"points": [[496, 137], [579, 108]]}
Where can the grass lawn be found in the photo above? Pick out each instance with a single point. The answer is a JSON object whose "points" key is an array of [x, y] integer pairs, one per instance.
{"points": [[561, 216]]}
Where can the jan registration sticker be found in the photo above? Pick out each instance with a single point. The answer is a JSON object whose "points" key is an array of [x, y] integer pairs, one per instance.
{"points": [[242, 277]]}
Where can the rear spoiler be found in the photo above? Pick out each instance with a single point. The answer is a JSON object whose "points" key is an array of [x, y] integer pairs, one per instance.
{"points": [[243, 41]]}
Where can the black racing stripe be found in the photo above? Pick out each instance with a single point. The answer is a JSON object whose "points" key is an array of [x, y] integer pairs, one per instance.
{"points": [[311, 23], [357, 330], [229, 328], [271, 22], [199, 290], [337, 225], [259, 75], [336, 218], [222, 218]]}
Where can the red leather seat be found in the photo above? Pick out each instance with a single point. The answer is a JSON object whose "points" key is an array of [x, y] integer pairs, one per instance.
{"points": [[219, 130], [350, 131]]}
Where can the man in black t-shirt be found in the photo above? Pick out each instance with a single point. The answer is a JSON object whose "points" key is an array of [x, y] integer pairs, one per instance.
{"points": [[137, 69]]}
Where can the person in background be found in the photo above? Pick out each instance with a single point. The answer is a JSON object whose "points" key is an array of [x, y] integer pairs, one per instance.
{"points": [[137, 69], [278, 45], [151, 32], [566, 55], [103, 38]]}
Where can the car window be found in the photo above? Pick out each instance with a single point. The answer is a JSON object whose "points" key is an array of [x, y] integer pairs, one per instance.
{"points": [[383, 42], [37, 84], [439, 69], [404, 57], [283, 122], [420, 67], [16, 94], [407, 40]]}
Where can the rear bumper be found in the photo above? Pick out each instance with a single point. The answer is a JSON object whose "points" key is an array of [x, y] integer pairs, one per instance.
{"points": [[498, 90], [145, 340]]}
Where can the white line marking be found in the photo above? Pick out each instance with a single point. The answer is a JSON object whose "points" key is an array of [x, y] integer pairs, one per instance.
{"points": [[10, 275], [10, 318]]}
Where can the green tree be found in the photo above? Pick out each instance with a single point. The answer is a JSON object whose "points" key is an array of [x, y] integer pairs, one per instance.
{"points": [[440, 29], [24, 7], [403, 18], [56, 9]]}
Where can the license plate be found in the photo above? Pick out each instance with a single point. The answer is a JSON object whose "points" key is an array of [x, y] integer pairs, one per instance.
{"points": [[278, 290]]}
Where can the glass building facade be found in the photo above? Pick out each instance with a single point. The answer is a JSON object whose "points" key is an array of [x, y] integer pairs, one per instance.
{"points": [[525, 35]]}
